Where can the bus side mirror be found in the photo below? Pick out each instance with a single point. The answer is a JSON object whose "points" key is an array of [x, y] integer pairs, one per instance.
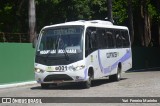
{"points": [[34, 42]]}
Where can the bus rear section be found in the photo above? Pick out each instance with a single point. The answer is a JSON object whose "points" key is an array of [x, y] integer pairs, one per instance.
{"points": [[108, 50]]}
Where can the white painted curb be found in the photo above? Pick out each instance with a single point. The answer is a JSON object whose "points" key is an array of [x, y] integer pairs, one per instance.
{"points": [[17, 84]]}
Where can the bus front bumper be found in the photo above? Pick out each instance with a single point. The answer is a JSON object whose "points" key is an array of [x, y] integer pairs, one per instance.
{"points": [[60, 77]]}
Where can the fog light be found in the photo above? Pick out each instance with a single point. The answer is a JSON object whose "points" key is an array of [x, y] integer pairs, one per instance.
{"points": [[39, 79]]}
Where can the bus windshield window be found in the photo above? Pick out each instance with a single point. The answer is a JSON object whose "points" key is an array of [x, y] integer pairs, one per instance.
{"points": [[62, 38]]}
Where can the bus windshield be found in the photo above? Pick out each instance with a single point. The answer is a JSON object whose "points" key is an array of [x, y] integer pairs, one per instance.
{"points": [[60, 40]]}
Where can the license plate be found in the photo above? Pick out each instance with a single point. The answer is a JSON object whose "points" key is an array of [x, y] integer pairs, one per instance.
{"points": [[59, 81], [61, 68]]}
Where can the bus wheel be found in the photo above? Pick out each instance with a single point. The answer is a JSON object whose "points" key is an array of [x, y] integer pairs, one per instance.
{"points": [[116, 77], [87, 84], [45, 86]]}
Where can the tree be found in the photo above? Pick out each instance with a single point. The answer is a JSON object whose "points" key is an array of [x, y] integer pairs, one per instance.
{"points": [[158, 19], [141, 16], [130, 18], [147, 27], [32, 20], [109, 10], [13, 17]]}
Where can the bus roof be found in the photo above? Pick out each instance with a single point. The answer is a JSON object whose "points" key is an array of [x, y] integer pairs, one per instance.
{"points": [[91, 23]]}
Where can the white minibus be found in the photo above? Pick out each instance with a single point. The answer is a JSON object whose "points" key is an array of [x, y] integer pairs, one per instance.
{"points": [[81, 51]]}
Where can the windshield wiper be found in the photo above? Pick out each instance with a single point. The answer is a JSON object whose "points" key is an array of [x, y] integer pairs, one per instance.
{"points": [[63, 48], [57, 43], [65, 53]]}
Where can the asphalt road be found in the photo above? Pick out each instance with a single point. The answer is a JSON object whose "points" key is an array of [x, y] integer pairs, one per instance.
{"points": [[133, 84]]}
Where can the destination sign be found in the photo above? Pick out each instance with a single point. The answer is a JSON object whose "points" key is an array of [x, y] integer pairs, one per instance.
{"points": [[65, 31]]}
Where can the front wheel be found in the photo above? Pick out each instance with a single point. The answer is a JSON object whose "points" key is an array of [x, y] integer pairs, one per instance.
{"points": [[87, 84], [116, 77]]}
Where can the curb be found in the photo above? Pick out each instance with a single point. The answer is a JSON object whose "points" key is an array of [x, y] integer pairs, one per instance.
{"points": [[17, 84]]}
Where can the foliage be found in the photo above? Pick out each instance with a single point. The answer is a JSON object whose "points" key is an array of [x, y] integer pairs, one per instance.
{"points": [[13, 16], [57, 11], [14, 13], [119, 11]]}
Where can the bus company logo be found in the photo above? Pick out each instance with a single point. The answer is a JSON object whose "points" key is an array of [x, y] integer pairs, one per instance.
{"points": [[6, 100], [112, 54]]}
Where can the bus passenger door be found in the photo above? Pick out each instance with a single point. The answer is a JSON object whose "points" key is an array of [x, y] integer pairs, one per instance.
{"points": [[91, 45]]}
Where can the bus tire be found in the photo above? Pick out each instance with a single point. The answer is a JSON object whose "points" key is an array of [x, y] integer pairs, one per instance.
{"points": [[116, 77], [87, 84], [45, 86]]}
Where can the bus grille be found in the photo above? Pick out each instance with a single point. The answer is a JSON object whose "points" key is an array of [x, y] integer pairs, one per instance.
{"points": [[57, 77]]}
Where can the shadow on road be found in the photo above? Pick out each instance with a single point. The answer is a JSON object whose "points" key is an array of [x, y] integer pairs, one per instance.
{"points": [[145, 70], [103, 81], [75, 86]]}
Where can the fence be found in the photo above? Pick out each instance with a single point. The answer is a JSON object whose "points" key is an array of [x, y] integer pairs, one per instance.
{"points": [[14, 37], [16, 62], [145, 57]]}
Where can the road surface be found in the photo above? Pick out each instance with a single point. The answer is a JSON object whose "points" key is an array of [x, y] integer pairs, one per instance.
{"points": [[133, 84]]}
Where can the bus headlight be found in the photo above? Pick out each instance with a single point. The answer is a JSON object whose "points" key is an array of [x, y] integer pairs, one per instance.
{"points": [[77, 68], [38, 70]]}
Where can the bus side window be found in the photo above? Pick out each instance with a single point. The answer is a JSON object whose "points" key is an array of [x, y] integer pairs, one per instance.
{"points": [[118, 39], [101, 37], [91, 40], [110, 38], [125, 39], [87, 42]]}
